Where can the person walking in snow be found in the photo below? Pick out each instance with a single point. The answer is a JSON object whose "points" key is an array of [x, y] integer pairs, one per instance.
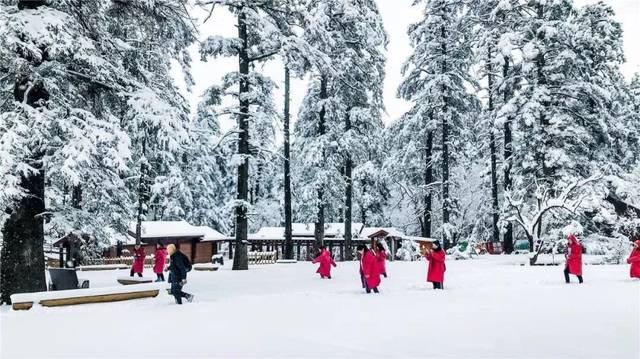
{"points": [[435, 272], [381, 257], [634, 260], [369, 269], [574, 259], [326, 262], [160, 259], [178, 269], [138, 261]]}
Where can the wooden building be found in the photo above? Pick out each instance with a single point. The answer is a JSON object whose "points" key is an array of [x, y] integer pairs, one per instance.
{"points": [[198, 243], [272, 239]]}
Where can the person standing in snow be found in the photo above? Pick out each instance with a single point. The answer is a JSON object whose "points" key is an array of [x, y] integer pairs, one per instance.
{"points": [[326, 262], [435, 272], [634, 260], [369, 269], [138, 261], [178, 269], [574, 258], [160, 259], [381, 257]]}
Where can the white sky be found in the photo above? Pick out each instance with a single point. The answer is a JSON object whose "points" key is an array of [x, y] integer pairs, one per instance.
{"points": [[397, 15]]}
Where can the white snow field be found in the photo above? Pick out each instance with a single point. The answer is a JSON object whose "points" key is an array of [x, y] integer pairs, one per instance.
{"points": [[490, 308]]}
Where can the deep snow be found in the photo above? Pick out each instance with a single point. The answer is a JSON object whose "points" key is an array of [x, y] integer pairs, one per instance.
{"points": [[489, 308]]}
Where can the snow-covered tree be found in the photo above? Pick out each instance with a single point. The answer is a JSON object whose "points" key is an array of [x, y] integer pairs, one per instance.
{"points": [[569, 103], [208, 186], [82, 75], [435, 77], [263, 31]]}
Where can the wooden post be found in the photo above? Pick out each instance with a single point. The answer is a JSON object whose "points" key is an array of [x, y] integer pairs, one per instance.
{"points": [[61, 255], [341, 251], [298, 249], [193, 250], [230, 249]]}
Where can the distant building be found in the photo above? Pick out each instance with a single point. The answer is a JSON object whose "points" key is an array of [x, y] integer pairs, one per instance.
{"points": [[199, 243]]}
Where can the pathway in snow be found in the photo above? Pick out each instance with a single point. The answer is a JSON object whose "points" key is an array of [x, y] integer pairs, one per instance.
{"points": [[488, 309]]}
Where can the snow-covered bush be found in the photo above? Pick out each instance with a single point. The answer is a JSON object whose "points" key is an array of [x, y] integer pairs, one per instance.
{"points": [[409, 251]]}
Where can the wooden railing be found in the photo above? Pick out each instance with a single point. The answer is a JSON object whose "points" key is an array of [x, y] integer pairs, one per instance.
{"points": [[148, 261]]}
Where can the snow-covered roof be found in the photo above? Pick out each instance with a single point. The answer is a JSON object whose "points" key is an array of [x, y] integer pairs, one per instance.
{"points": [[420, 239], [393, 232], [211, 234], [305, 230], [158, 229]]}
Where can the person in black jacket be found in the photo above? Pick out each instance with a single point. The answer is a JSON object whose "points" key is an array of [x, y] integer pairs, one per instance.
{"points": [[178, 269]]}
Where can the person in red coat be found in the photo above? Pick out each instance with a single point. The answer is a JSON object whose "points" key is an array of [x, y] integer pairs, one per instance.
{"points": [[160, 257], [574, 259], [435, 273], [381, 256], [326, 262], [634, 260], [369, 269], [138, 260]]}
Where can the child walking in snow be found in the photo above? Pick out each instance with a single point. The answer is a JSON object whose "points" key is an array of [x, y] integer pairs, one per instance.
{"points": [[369, 269], [326, 262], [435, 272], [160, 259], [634, 260], [138, 261], [574, 259], [381, 256]]}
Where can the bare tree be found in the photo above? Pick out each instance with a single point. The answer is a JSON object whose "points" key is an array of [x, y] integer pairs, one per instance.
{"points": [[569, 199]]}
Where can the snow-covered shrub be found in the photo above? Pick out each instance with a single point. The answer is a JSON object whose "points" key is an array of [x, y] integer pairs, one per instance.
{"points": [[409, 250]]}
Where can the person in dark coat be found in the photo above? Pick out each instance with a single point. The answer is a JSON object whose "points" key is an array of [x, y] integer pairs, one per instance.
{"points": [[178, 269]]}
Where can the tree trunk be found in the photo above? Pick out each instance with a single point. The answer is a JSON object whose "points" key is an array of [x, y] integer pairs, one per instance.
{"points": [[445, 146], [22, 256], [492, 147], [541, 153], [240, 261], [141, 192], [319, 223], [348, 196], [508, 152], [288, 235], [428, 180]]}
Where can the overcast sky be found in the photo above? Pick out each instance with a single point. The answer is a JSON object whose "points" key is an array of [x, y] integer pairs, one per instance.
{"points": [[397, 15]]}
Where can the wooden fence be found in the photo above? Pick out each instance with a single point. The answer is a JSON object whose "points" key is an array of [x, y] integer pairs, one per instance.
{"points": [[262, 257], [148, 261]]}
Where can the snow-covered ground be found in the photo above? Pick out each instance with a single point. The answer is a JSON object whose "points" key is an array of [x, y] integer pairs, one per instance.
{"points": [[489, 308]]}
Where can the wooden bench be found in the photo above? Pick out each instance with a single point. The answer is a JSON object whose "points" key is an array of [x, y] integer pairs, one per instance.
{"points": [[25, 301], [102, 267], [134, 280], [206, 267]]}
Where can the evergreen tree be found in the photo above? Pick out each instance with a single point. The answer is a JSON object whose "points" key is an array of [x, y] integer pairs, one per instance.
{"points": [[435, 77], [262, 33], [84, 75]]}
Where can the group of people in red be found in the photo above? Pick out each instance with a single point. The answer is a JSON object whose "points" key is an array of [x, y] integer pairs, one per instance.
{"points": [[373, 263], [160, 259], [573, 257]]}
